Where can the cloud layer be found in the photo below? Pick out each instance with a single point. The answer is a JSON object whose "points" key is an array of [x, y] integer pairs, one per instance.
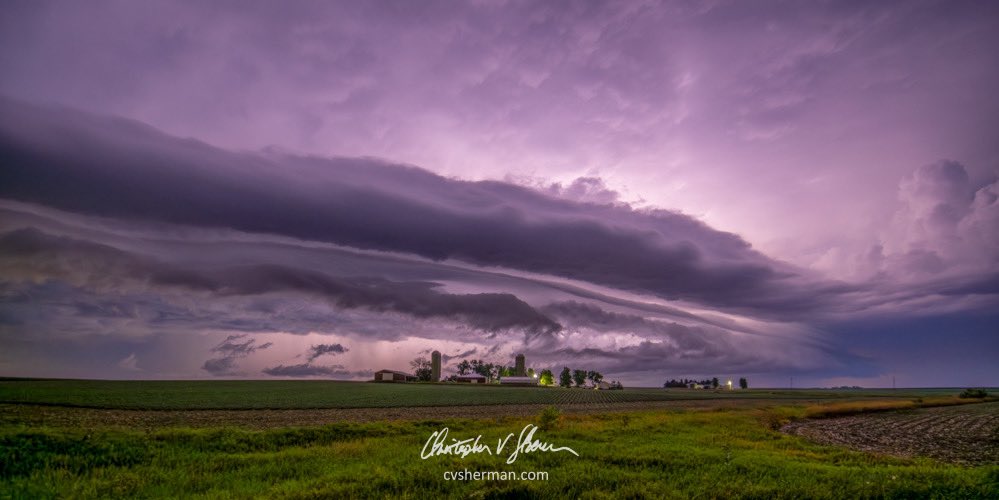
{"points": [[645, 188], [114, 229], [373, 205], [788, 124]]}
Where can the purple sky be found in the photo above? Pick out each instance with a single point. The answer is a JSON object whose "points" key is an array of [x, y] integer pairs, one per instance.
{"points": [[270, 189]]}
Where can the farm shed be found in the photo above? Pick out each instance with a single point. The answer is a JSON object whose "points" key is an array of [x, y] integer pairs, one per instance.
{"points": [[470, 379], [525, 381], [393, 376]]}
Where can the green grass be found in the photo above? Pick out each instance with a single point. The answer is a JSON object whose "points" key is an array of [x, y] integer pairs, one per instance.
{"points": [[650, 454], [723, 452], [284, 394]]}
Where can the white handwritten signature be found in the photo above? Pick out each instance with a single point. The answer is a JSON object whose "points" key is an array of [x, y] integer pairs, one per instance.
{"points": [[526, 443]]}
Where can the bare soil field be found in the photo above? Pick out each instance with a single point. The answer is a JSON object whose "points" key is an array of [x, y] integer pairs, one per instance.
{"points": [[967, 434]]}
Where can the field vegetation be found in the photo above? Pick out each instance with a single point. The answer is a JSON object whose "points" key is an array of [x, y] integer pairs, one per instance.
{"points": [[289, 394], [678, 454], [728, 451]]}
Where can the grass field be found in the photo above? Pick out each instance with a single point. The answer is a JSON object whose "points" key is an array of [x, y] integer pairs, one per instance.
{"points": [[731, 451]]}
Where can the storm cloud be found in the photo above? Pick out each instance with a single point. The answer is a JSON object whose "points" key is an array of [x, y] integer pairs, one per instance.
{"points": [[323, 349], [652, 189], [230, 351], [630, 342], [945, 221], [460, 355], [30, 252], [374, 205], [365, 208], [310, 370]]}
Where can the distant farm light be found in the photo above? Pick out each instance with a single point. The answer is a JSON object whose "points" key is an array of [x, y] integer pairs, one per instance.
{"points": [[535, 375]]}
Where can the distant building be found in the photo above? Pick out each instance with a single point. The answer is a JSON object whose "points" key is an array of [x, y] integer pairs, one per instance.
{"points": [[603, 386], [521, 369], [473, 378], [435, 366], [524, 381], [394, 376]]}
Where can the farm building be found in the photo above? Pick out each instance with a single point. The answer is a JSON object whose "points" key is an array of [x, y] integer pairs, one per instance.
{"points": [[518, 381], [435, 366], [521, 366], [393, 376], [470, 379], [603, 386]]}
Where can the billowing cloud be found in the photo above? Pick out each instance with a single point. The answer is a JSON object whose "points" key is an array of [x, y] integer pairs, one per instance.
{"points": [[231, 349], [945, 221], [941, 238], [322, 349]]}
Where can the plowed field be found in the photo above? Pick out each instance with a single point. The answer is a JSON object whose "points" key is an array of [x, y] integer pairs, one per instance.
{"points": [[967, 434]]}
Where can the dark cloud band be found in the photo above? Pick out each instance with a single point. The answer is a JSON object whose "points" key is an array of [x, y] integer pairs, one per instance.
{"points": [[112, 167]]}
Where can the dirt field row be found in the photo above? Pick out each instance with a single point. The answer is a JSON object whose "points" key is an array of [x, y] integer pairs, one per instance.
{"points": [[57, 416], [967, 434]]}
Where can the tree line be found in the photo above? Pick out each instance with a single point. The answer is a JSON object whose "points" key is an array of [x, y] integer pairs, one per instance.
{"points": [[489, 370], [492, 371], [712, 382], [568, 378]]}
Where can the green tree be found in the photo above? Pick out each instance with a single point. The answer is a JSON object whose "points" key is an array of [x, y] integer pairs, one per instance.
{"points": [[547, 377], [421, 368], [714, 382], [565, 378], [743, 383], [594, 377], [530, 372], [464, 367], [487, 370], [579, 377]]}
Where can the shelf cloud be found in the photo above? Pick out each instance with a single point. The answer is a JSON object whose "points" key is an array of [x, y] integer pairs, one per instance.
{"points": [[655, 190]]}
